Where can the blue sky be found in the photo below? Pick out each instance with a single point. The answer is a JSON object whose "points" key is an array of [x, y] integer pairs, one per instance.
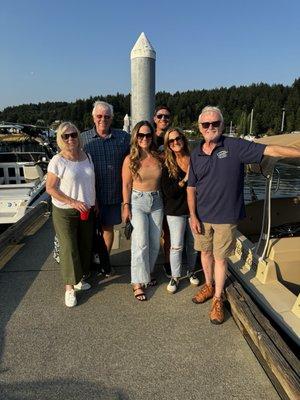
{"points": [[65, 50]]}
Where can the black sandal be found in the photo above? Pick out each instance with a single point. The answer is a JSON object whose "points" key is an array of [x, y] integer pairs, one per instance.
{"points": [[139, 296], [153, 282]]}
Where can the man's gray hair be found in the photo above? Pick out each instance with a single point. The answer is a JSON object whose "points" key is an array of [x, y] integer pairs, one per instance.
{"points": [[103, 104], [209, 109]]}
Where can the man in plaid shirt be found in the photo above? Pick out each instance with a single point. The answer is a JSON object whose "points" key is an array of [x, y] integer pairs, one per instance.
{"points": [[108, 148]]}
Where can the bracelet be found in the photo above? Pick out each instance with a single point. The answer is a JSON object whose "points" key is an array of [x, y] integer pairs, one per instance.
{"points": [[128, 204]]}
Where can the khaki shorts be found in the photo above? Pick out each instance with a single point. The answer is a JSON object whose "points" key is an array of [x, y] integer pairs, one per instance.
{"points": [[217, 238]]}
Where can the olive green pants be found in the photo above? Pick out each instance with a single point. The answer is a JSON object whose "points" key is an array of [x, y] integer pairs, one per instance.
{"points": [[75, 240]]}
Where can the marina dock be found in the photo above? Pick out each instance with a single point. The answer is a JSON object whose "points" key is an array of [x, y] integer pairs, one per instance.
{"points": [[111, 346]]}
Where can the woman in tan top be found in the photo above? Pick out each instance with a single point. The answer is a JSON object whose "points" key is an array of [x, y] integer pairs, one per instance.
{"points": [[142, 205]]}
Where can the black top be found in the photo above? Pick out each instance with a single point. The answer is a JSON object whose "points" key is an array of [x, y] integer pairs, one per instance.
{"points": [[160, 140], [174, 196]]}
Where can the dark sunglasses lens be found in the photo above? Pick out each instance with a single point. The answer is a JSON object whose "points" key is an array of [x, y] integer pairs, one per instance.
{"points": [[66, 136], [177, 139], [163, 116], [144, 135], [214, 124]]}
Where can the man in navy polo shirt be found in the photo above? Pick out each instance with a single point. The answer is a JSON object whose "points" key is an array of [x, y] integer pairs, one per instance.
{"points": [[216, 199]]}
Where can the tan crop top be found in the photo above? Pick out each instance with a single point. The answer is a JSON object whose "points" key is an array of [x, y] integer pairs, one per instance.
{"points": [[149, 176]]}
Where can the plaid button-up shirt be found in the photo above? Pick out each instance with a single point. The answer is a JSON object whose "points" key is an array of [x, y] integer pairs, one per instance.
{"points": [[107, 155]]}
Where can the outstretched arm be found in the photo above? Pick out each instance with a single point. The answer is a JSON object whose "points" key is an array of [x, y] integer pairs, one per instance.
{"points": [[281, 151]]}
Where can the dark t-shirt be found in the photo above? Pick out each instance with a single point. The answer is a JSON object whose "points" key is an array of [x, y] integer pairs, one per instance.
{"points": [[174, 196], [159, 141], [219, 179]]}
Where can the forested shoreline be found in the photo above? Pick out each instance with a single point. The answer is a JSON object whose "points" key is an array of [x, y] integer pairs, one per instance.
{"points": [[267, 102]]}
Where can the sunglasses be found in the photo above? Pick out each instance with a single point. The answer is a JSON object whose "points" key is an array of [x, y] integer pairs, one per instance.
{"points": [[106, 117], [214, 124], [66, 136], [177, 139], [142, 136], [163, 116]]}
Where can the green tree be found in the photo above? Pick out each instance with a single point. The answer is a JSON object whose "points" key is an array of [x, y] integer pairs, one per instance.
{"points": [[242, 124]]}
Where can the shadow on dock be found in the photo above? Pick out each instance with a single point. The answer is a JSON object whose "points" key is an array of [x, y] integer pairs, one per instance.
{"points": [[111, 346]]}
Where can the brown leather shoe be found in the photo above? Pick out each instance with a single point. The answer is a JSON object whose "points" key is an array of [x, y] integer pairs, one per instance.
{"points": [[216, 314], [205, 293]]}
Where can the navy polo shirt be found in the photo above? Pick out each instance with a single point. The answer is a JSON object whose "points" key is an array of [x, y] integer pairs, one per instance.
{"points": [[219, 179]]}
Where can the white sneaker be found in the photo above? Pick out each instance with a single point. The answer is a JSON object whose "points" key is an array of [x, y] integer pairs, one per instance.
{"points": [[82, 286], [96, 259], [194, 280], [173, 285], [70, 298]]}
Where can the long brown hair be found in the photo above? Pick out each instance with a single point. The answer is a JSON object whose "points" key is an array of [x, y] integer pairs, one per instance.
{"points": [[170, 158], [135, 150]]}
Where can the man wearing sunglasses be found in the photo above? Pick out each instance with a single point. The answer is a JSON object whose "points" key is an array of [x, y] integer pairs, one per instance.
{"points": [[162, 121], [215, 198], [108, 148]]}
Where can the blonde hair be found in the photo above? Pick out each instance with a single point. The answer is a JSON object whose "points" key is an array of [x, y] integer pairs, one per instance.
{"points": [[135, 150], [170, 158], [63, 127]]}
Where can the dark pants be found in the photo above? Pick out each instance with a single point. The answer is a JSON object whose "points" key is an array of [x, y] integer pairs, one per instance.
{"points": [[75, 239]]}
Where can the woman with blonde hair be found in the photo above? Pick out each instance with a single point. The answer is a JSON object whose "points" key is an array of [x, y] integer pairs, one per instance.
{"points": [[71, 184], [173, 185], [142, 205]]}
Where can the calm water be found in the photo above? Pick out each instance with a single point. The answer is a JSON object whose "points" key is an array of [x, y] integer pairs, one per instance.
{"points": [[289, 182]]}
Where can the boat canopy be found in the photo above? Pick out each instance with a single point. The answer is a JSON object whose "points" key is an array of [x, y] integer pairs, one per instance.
{"points": [[15, 137], [288, 139], [268, 163]]}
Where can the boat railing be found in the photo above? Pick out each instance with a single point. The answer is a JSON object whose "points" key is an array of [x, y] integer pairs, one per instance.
{"points": [[20, 172], [11, 172]]}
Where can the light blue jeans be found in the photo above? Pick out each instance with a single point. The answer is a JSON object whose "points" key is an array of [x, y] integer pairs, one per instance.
{"points": [[181, 236], [147, 216]]}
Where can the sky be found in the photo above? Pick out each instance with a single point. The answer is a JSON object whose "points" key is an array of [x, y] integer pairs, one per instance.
{"points": [[63, 50]]}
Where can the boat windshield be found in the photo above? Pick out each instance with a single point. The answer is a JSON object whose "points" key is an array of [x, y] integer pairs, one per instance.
{"points": [[286, 183]]}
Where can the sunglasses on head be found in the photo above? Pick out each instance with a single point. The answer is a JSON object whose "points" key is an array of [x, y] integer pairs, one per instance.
{"points": [[163, 116], [66, 136], [214, 124], [144, 135], [177, 139]]}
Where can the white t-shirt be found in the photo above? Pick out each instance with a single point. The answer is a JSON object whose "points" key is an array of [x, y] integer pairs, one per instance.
{"points": [[76, 179]]}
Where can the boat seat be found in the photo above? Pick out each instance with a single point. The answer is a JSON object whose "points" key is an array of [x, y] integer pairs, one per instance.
{"points": [[32, 173], [285, 252]]}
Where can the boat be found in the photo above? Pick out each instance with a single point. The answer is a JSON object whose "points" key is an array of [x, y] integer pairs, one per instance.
{"points": [[267, 254], [25, 151]]}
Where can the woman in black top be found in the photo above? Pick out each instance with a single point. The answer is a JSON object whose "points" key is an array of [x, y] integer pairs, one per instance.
{"points": [[173, 184]]}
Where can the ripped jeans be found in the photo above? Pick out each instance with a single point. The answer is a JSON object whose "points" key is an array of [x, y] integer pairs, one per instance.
{"points": [[147, 216], [181, 236]]}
